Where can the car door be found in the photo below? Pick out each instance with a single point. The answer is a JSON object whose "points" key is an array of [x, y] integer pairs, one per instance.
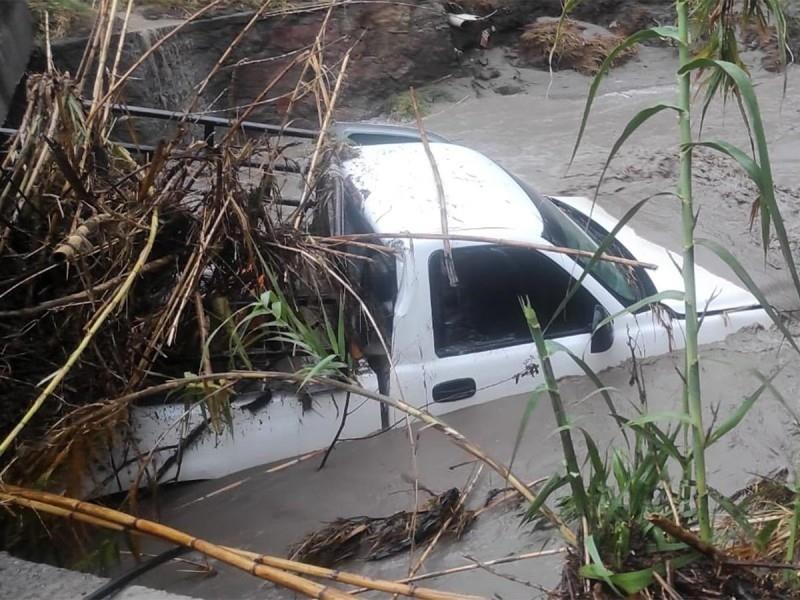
{"points": [[474, 345]]}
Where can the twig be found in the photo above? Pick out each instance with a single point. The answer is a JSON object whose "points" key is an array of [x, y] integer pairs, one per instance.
{"points": [[509, 495], [464, 494], [326, 121], [450, 266], [97, 323], [689, 538], [338, 433], [472, 566], [84, 295]]}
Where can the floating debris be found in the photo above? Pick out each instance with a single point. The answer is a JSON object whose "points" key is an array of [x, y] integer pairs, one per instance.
{"points": [[376, 538]]}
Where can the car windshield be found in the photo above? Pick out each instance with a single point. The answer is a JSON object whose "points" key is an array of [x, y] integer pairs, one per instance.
{"points": [[564, 226]]}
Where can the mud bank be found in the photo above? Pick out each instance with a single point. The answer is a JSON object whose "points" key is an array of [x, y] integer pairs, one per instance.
{"points": [[531, 132]]}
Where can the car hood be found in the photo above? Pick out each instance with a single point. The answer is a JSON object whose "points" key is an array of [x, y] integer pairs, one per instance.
{"points": [[714, 293]]}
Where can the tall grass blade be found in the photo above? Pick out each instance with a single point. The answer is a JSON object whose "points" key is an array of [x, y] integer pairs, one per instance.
{"points": [[601, 250], [637, 121], [734, 419], [559, 412], [664, 32], [530, 406], [751, 286], [556, 482], [765, 183], [554, 347], [649, 300], [736, 513]]}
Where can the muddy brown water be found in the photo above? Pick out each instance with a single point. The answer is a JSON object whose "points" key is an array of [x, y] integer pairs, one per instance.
{"points": [[531, 133]]}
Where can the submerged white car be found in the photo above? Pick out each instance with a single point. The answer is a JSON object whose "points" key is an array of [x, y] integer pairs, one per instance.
{"points": [[453, 346]]}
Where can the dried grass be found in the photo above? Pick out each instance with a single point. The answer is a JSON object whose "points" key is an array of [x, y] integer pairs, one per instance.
{"points": [[574, 47], [75, 215]]}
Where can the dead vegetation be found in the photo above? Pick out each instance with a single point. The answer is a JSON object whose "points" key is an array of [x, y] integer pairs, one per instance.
{"points": [[376, 538], [116, 265], [574, 45]]}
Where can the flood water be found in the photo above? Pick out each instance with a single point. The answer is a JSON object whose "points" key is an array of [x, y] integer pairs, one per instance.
{"points": [[532, 133]]}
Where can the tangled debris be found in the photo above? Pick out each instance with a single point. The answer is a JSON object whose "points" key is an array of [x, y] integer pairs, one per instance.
{"points": [[116, 266], [574, 45], [376, 538]]}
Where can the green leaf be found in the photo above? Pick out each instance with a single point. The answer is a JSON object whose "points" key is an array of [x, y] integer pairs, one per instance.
{"points": [[764, 534], [638, 37], [769, 205], [595, 380], [734, 419], [734, 152], [745, 278], [329, 362], [555, 482], [530, 406], [660, 416], [736, 513], [653, 299], [594, 453], [596, 569], [638, 119], [633, 582], [601, 249]]}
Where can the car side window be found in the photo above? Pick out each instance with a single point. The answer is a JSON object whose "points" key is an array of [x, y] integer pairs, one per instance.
{"points": [[483, 311]]}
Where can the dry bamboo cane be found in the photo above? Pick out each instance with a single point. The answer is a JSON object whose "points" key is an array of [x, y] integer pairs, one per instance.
{"points": [[234, 559], [47, 504], [391, 587]]}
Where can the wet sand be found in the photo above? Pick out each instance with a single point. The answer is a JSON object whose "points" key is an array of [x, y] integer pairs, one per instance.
{"points": [[532, 135]]}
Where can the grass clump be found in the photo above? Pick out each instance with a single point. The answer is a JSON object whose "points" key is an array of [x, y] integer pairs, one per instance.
{"points": [[572, 44], [66, 17], [401, 106]]}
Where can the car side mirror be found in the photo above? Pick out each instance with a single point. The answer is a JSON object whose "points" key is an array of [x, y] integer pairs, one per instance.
{"points": [[602, 338]]}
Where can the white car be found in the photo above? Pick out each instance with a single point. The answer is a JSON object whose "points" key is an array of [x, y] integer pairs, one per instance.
{"points": [[452, 346]]}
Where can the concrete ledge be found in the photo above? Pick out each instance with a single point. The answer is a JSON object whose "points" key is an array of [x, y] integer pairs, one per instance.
{"points": [[23, 580]]}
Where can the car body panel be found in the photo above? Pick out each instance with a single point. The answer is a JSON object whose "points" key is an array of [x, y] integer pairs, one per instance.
{"points": [[398, 195]]}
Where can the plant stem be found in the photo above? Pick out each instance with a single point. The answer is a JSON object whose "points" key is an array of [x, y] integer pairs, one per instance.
{"points": [[693, 400], [568, 448]]}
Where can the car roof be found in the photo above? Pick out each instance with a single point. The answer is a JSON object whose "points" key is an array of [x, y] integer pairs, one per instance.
{"points": [[399, 192], [368, 134]]}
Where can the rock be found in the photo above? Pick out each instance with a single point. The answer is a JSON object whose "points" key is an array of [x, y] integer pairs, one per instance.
{"points": [[487, 73], [509, 89], [398, 46]]}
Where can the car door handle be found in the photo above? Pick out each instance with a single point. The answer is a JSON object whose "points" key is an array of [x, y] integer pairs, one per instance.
{"points": [[454, 390]]}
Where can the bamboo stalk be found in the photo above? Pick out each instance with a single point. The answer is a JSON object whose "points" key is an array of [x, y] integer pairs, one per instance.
{"points": [[234, 559], [103, 517], [570, 458], [97, 323], [493, 240], [390, 587], [693, 400]]}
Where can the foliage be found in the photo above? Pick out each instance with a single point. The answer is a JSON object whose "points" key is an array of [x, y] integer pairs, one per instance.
{"points": [[624, 488]]}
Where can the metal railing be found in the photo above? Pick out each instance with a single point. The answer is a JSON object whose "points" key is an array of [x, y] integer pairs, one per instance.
{"points": [[209, 123]]}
